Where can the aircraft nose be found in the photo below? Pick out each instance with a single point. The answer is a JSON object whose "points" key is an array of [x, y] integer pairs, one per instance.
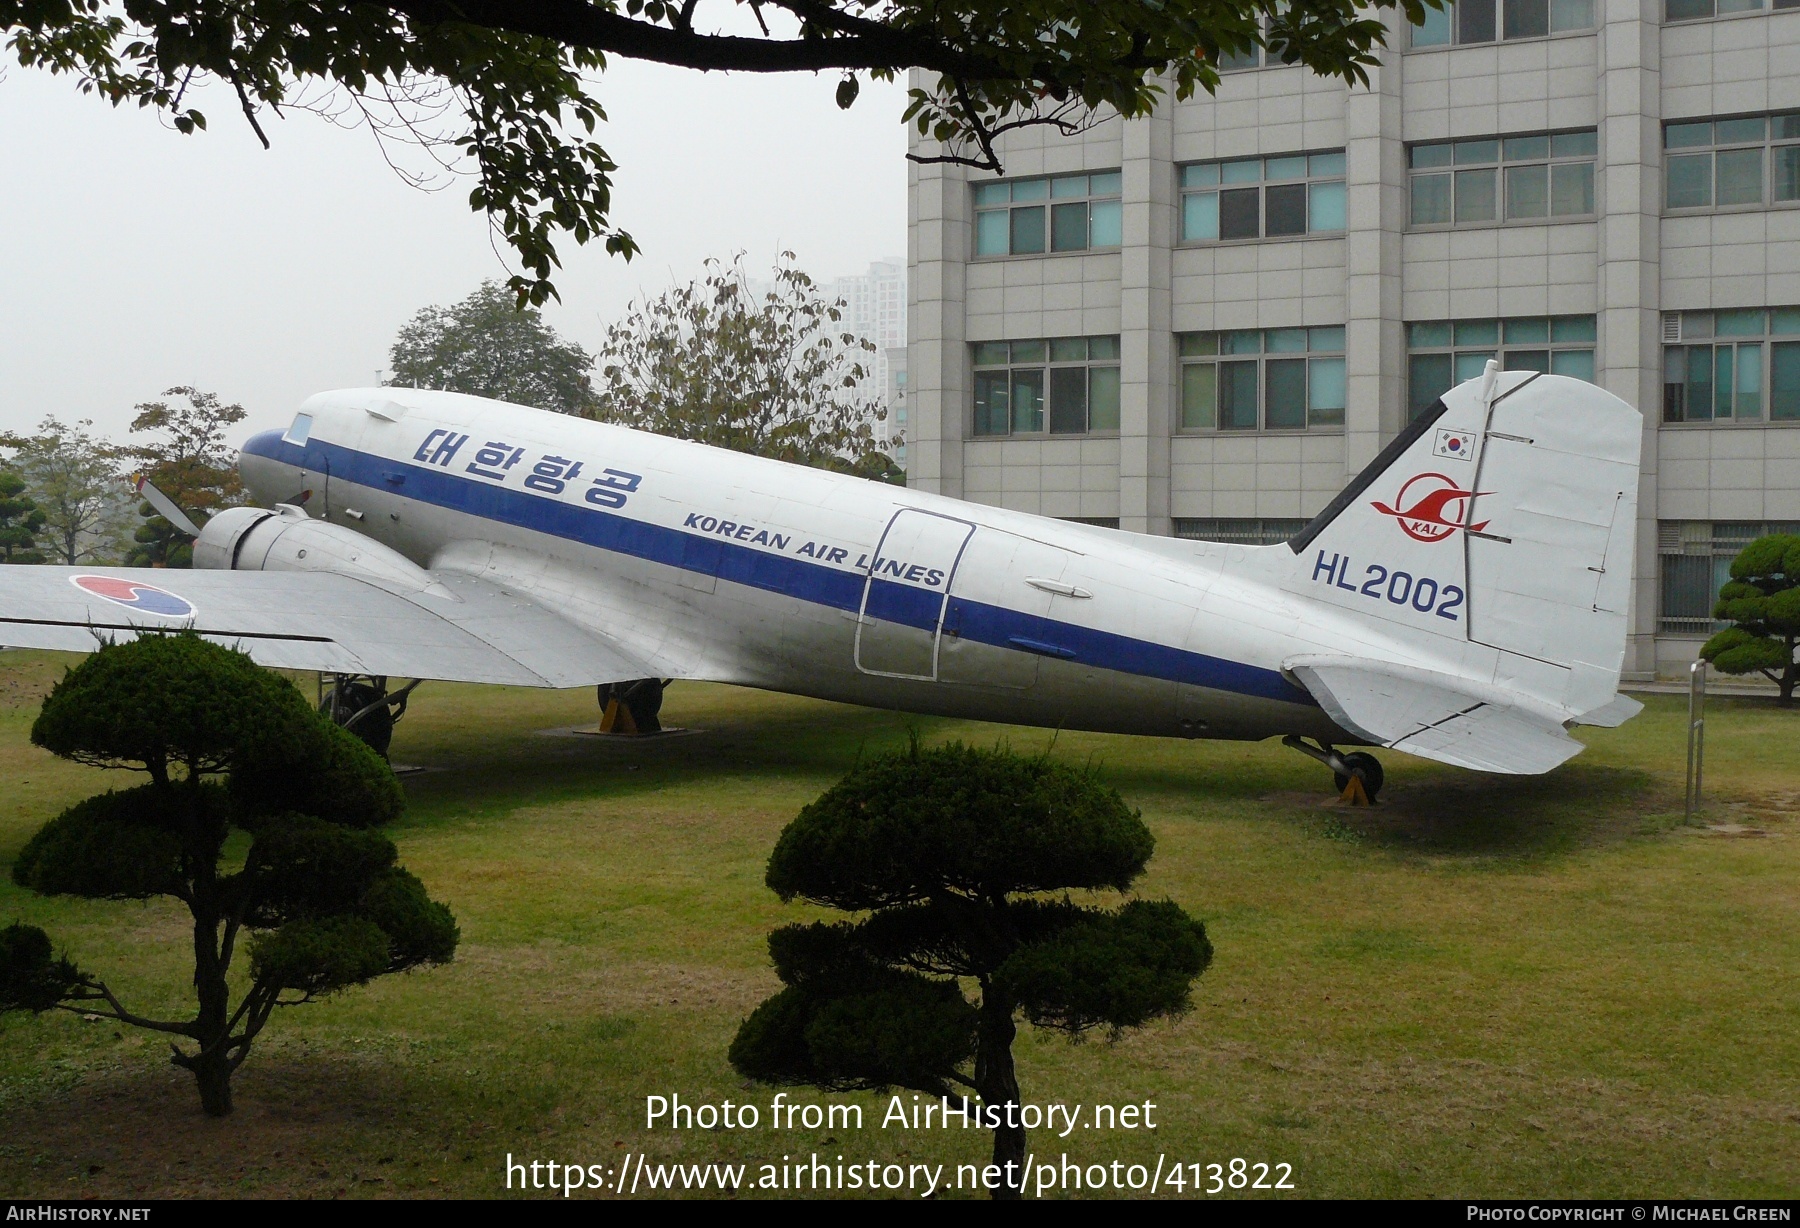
{"points": [[264, 475]]}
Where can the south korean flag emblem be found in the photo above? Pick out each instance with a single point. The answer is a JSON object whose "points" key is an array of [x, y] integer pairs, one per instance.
{"points": [[1455, 445]]}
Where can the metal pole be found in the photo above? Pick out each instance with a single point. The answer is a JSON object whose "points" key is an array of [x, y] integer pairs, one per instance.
{"points": [[1696, 739]]}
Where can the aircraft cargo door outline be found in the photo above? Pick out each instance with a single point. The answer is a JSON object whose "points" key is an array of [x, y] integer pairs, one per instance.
{"points": [[900, 623]]}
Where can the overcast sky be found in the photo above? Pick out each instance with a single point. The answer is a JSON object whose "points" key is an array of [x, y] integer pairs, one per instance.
{"points": [[133, 258]]}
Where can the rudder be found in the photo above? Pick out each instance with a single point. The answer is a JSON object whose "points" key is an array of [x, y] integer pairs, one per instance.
{"points": [[1502, 518]]}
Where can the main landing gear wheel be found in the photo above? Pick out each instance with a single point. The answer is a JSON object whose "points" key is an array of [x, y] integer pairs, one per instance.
{"points": [[631, 708], [1358, 774], [1365, 766], [363, 704]]}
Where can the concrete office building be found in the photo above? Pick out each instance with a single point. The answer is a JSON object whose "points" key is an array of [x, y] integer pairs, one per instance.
{"points": [[1206, 321]]}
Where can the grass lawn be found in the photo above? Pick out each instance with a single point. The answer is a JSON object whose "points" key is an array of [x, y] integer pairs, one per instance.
{"points": [[1484, 987]]}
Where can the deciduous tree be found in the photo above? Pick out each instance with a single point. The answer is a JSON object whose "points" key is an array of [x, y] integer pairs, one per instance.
{"points": [[489, 347], [1762, 602], [20, 521], [504, 86], [315, 893], [73, 475], [775, 374], [954, 855], [189, 460]]}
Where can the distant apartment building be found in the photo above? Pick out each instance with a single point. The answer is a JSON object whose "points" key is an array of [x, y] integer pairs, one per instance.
{"points": [[894, 430], [1204, 322], [877, 311]]}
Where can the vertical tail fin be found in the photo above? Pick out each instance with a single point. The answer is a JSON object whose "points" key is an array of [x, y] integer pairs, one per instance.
{"points": [[1503, 518]]}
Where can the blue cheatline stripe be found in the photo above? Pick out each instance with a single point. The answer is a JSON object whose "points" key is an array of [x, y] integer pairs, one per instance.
{"points": [[799, 579]]}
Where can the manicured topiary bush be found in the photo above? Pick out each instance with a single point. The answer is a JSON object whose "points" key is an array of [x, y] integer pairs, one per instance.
{"points": [[317, 899], [947, 855]]}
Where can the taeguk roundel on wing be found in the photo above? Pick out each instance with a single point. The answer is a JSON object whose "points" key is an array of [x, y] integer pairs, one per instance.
{"points": [[135, 595]]}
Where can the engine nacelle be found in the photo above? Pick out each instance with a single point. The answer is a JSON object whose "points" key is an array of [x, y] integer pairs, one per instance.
{"points": [[287, 539]]}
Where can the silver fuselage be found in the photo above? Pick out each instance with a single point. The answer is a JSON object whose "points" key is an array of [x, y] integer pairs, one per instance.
{"points": [[716, 565]]}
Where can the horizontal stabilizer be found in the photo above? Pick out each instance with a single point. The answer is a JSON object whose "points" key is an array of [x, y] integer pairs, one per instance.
{"points": [[1611, 715], [1436, 716], [333, 623]]}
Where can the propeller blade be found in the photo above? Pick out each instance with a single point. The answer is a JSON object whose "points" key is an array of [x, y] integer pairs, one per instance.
{"points": [[164, 505]]}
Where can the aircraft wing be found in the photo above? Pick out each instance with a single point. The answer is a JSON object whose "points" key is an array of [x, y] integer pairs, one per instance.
{"points": [[467, 630], [1436, 716]]}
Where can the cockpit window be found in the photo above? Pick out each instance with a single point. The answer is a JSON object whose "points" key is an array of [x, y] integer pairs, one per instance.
{"points": [[298, 433]]}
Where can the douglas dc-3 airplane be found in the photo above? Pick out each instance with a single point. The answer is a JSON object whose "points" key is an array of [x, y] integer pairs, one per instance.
{"points": [[1464, 599]]}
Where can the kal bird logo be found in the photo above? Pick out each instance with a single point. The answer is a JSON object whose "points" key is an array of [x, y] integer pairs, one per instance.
{"points": [[1425, 506], [135, 595]]}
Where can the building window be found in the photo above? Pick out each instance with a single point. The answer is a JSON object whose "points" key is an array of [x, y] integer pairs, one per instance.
{"points": [[1254, 57], [1264, 532], [1276, 379], [1067, 386], [1486, 21], [1510, 179], [1694, 558], [1028, 217], [1732, 163], [1701, 10], [1263, 198], [1098, 522], [1740, 371], [1444, 353]]}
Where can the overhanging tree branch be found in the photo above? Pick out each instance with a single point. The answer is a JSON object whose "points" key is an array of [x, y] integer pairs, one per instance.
{"points": [[523, 68], [857, 43]]}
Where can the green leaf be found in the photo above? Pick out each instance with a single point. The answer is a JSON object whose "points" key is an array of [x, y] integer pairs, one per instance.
{"points": [[326, 772], [1763, 600], [316, 957], [913, 825], [820, 952], [492, 345], [1114, 970], [172, 701], [302, 867], [898, 1029], [711, 361], [1747, 654], [419, 930], [119, 846], [1766, 556], [31, 977]]}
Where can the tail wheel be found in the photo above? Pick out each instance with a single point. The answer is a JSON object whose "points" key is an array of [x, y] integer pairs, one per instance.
{"points": [[1364, 765]]}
